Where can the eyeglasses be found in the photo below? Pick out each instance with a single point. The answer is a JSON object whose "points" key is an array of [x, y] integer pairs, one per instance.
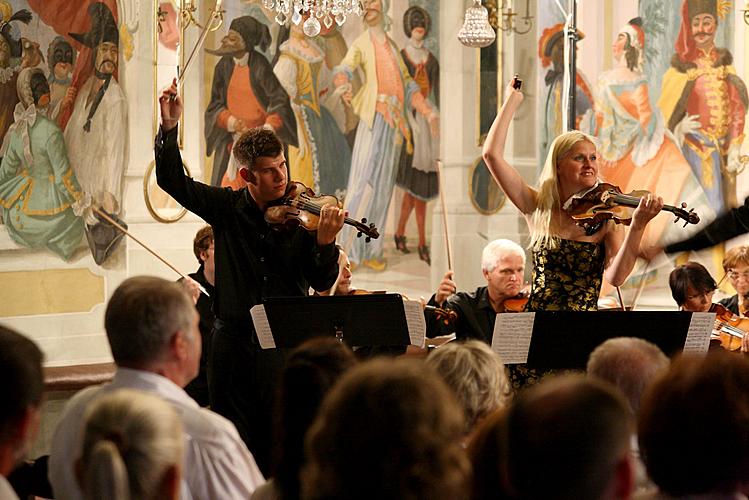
{"points": [[700, 295], [732, 274]]}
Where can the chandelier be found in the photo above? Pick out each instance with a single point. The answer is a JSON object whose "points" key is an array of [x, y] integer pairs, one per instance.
{"points": [[320, 11], [476, 30]]}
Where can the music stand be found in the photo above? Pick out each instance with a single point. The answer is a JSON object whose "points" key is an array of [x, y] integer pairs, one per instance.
{"points": [[565, 339], [358, 320]]}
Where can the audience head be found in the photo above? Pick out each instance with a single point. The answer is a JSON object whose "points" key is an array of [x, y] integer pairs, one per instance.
{"points": [[736, 266], [310, 372], [152, 324], [503, 265], [476, 375], [488, 454], [390, 429], [629, 364], [577, 431], [21, 387], [132, 448], [202, 245], [692, 287], [694, 426]]}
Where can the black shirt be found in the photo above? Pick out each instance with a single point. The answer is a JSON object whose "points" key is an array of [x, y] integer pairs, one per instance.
{"points": [[253, 260], [475, 319], [198, 387], [733, 223]]}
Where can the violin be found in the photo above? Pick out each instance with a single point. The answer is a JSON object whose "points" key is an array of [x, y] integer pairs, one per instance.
{"points": [[517, 303], [607, 202], [301, 207], [729, 328]]}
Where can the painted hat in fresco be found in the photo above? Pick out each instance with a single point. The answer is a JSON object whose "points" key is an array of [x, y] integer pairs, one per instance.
{"points": [[103, 238], [415, 17], [253, 32], [550, 37], [684, 45], [7, 17], [103, 27]]}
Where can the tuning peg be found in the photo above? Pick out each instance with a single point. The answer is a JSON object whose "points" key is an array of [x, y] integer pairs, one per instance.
{"points": [[358, 235], [364, 220], [367, 239]]}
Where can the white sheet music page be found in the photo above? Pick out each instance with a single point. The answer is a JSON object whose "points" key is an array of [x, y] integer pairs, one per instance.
{"points": [[512, 336], [417, 326], [698, 336], [262, 327]]}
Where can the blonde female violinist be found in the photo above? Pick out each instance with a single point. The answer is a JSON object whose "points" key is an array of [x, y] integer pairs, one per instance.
{"points": [[568, 261]]}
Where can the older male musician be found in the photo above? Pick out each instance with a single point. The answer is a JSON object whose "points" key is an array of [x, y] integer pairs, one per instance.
{"points": [[253, 261], [503, 265]]}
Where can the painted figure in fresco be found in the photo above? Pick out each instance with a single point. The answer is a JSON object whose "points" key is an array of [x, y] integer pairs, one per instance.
{"points": [[387, 95], [417, 174], [705, 102], [60, 59], [10, 62], [245, 94], [39, 193], [323, 159], [551, 53], [96, 134], [636, 150]]}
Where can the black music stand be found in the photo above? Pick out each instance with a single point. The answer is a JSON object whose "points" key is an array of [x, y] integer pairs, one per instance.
{"points": [[565, 339], [358, 320]]}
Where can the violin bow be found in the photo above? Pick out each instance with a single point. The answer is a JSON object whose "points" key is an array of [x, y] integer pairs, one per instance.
{"points": [[444, 215], [124, 231]]}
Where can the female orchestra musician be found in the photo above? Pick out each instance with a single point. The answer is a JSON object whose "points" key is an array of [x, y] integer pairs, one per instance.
{"points": [[736, 267], [568, 264], [692, 287], [342, 285]]}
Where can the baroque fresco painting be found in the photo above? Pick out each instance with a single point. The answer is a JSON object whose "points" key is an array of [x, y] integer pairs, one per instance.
{"points": [[63, 124], [667, 107], [357, 107]]}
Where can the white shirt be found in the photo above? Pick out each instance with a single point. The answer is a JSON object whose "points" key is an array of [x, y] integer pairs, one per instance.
{"points": [[217, 464], [6, 490]]}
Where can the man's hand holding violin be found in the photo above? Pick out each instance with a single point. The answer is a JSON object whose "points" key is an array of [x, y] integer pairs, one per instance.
{"points": [[331, 222]]}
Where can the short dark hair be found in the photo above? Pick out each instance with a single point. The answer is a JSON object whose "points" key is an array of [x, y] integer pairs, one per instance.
{"points": [[143, 315], [202, 241], [694, 425], [255, 143], [574, 428], [691, 274], [21, 378]]}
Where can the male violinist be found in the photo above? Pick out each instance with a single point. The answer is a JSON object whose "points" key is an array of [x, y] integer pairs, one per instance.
{"points": [[253, 261], [503, 266]]}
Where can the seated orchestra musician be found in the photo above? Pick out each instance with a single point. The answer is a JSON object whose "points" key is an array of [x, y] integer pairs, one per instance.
{"points": [[736, 267], [342, 285], [503, 265], [692, 287]]}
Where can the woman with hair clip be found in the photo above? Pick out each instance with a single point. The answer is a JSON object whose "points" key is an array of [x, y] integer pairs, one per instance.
{"points": [[568, 263], [132, 448]]}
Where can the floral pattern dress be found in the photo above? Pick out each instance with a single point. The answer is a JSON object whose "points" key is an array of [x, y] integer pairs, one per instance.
{"points": [[565, 278]]}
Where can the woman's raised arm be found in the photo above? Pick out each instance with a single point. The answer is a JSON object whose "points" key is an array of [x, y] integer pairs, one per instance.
{"points": [[520, 194]]}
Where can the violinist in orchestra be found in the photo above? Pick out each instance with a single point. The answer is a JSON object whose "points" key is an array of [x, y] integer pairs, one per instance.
{"points": [[503, 267], [342, 285], [568, 261], [736, 267], [253, 261], [693, 288]]}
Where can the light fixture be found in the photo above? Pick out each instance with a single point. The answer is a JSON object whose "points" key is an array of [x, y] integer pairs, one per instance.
{"points": [[508, 18], [476, 30], [320, 11], [187, 15]]}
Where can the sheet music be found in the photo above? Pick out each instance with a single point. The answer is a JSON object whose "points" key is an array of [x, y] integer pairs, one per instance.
{"points": [[262, 327], [512, 336], [698, 336], [417, 327]]}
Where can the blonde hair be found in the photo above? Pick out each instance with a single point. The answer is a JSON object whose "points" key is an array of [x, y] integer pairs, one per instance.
{"points": [[476, 375], [737, 256], [130, 441], [548, 189]]}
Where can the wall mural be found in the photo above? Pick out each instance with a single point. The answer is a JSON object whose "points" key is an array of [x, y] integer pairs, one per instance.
{"points": [[63, 123], [356, 106], [669, 113]]}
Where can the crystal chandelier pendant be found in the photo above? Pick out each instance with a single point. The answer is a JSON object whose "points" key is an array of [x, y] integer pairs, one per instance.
{"points": [[476, 30], [296, 17], [311, 27]]}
